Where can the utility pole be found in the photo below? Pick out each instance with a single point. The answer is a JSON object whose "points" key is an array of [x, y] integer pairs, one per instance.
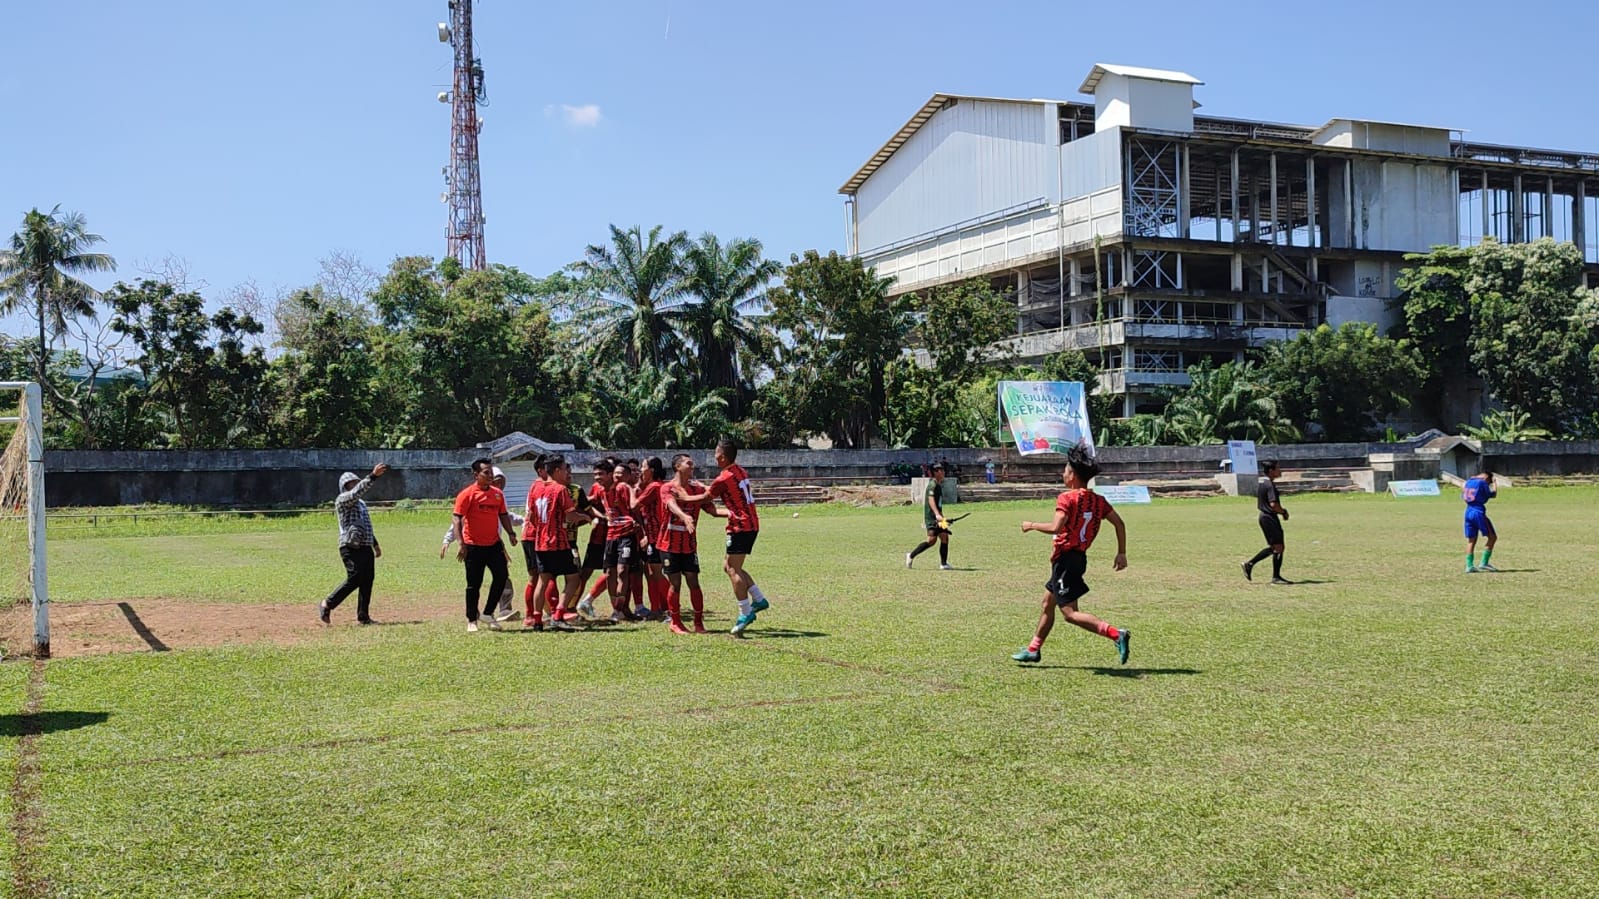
{"points": [[463, 190]]}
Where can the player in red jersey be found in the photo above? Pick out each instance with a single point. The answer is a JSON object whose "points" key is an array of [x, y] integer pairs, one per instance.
{"points": [[621, 542], [635, 568], [594, 555], [649, 504], [732, 489], [550, 510], [685, 498], [1078, 512]]}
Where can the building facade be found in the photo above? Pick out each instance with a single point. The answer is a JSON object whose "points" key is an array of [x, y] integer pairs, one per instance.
{"points": [[1152, 238]]}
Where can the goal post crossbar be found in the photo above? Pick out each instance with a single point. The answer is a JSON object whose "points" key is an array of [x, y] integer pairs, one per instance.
{"points": [[32, 419]]}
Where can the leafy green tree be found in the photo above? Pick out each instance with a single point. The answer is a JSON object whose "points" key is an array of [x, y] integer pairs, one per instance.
{"points": [[458, 361], [728, 284], [637, 279], [1533, 334], [959, 328], [205, 389], [645, 408], [1436, 320], [1344, 381], [843, 331], [37, 273], [1227, 402], [327, 385]]}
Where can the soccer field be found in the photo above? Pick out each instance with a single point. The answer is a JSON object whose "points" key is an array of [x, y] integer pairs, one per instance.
{"points": [[1388, 726]]}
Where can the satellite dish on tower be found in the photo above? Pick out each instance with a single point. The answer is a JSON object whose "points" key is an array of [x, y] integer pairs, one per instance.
{"points": [[444, 96], [444, 33]]}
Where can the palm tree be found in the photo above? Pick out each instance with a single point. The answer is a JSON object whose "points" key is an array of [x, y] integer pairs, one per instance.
{"points": [[730, 285], [636, 279], [1224, 403], [39, 267]]}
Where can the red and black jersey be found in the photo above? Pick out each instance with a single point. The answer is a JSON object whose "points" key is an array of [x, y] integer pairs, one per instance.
{"points": [[1084, 510], [674, 535], [732, 489], [550, 503], [619, 512], [651, 511], [597, 501]]}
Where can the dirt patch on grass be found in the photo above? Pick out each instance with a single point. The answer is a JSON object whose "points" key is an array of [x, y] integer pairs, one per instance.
{"points": [[864, 496], [161, 625]]}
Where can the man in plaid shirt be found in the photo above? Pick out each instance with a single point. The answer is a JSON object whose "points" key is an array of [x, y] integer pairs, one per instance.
{"points": [[358, 545]]}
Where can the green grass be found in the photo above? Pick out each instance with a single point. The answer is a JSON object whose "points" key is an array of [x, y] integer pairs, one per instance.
{"points": [[1390, 727]]}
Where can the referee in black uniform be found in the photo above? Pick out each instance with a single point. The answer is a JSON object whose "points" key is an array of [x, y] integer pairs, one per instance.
{"points": [[1270, 506]]}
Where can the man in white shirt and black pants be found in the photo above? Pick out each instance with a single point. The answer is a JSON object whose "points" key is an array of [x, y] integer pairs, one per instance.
{"points": [[358, 546]]}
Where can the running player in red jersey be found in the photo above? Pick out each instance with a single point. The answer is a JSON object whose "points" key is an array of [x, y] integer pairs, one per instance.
{"points": [[1078, 512], [594, 555], [732, 489], [649, 504], [685, 498], [621, 542], [550, 510]]}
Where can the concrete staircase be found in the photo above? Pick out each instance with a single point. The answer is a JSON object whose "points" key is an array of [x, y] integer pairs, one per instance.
{"points": [[790, 495], [1317, 480]]}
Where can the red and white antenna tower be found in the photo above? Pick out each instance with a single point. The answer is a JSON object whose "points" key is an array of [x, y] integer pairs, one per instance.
{"points": [[463, 189]]}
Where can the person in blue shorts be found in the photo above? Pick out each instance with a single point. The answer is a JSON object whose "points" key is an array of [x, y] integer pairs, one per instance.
{"points": [[1476, 493]]}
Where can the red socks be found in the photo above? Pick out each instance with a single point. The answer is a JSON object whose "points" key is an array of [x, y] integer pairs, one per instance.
{"points": [[659, 588], [673, 606], [1036, 645], [1105, 630], [598, 588], [696, 598], [527, 599]]}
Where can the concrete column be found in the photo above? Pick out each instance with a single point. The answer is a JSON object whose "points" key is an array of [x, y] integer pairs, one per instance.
{"points": [[1349, 203], [1238, 271], [1275, 222], [1487, 219], [1518, 213], [1310, 198], [1232, 207], [1549, 207], [1184, 195], [1579, 214]]}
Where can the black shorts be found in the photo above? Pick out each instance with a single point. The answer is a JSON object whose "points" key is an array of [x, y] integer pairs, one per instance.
{"points": [[682, 563], [741, 543], [594, 557], [621, 551], [653, 556], [935, 530], [1272, 528], [557, 562], [532, 558], [1066, 577]]}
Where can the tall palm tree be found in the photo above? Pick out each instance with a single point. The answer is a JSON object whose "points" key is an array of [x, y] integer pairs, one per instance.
{"points": [[729, 284], [38, 268], [636, 278]]}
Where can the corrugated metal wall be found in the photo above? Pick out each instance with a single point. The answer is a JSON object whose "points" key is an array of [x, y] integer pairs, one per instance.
{"points": [[968, 160]]}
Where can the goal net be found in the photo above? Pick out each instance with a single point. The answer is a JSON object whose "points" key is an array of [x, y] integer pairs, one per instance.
{"points": [[22, 544]]}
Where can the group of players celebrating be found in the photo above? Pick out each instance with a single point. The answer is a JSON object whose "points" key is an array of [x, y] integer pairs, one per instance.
{"points": [[643, 541]]}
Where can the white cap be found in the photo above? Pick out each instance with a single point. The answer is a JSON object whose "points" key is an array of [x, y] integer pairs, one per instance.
{"points": [[498, 473]]}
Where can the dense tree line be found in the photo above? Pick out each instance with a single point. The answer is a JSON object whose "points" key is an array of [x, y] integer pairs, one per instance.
{"points": [[659, 339]]}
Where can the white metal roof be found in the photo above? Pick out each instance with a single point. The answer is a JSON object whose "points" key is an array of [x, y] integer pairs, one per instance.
{"points": [[1102, 69], [928, 110]]}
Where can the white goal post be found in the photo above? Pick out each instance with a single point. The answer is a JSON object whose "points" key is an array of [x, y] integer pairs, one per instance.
{"points": [[30, 419]]}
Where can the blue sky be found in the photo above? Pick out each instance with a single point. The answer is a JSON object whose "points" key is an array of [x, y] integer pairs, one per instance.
{"points": [[251, 139]]}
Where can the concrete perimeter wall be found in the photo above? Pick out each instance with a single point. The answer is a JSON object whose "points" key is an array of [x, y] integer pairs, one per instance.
{"points": [[267, 478]]}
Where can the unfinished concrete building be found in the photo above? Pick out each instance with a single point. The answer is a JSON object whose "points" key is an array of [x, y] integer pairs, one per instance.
{"points": [[1152, 238]]}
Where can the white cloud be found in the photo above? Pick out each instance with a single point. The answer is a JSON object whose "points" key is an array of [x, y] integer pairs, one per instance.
{"points": [[585, 116]]}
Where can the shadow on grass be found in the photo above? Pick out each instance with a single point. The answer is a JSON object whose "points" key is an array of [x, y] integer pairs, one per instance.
{"points": [[48, 722], [394, 623], [1306, 581], [143, 630], [781, 634], [1512, 571], [1107, 671]]}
